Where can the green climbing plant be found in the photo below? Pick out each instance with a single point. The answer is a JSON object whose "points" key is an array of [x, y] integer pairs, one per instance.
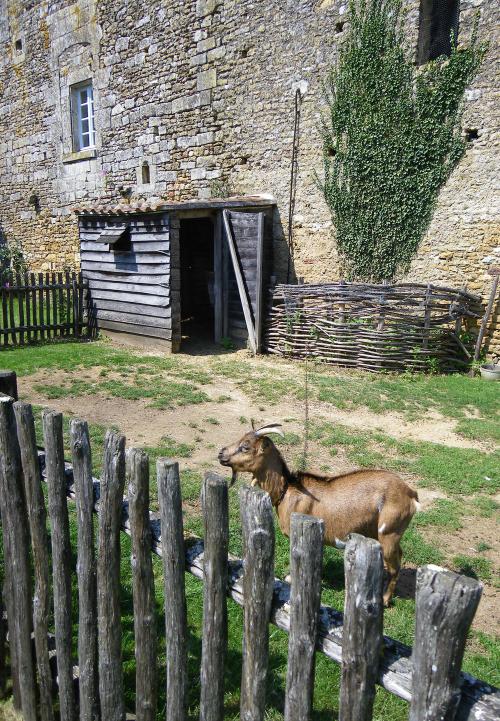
{"points": [[391, 138]]}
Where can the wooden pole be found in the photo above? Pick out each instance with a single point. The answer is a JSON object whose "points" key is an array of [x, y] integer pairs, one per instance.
{"points": [[362, 634], [40, 542], [108, 579], [258, 583], [172, 537], [86, 570], [306, 557], [8, 384], [214, 643], [61, 558], [143, 588], [16, 542], [445, 606]]}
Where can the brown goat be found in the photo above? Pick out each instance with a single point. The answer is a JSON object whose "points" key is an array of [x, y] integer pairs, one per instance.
{"points": [[378, 504]]}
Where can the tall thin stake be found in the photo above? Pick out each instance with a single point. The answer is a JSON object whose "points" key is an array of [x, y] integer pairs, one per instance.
{"points": [[172, 539], [61, 558], [108, 579], [15, 527], [38, 527], [137, 465], [258, 585], [86, 569], [214, 644]]}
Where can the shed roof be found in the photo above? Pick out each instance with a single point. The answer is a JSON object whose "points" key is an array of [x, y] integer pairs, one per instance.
{"points": [[158, 205]]}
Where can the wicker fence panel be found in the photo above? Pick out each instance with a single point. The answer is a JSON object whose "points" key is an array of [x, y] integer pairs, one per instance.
{"points": [[376, 327]]}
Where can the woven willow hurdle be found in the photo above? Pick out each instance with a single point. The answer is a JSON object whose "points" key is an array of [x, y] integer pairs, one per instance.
{"points": [[376, 327]]}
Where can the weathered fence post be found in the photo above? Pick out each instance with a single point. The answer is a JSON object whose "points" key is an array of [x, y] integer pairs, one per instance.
{"points": [[214, 643], [40, 543], [8, 384], [16, 543], [10, 605], [258, 585], [61, 557], [86, 570], [3, 655], [306, 557], [172, 542], [137, 465], [108, 579], [362, 634], [445, 606]]}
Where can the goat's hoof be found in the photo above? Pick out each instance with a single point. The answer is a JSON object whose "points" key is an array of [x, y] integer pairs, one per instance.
{"points": [[387, 602]]}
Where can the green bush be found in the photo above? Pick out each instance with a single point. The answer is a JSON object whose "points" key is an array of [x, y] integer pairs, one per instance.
{"points": [[391, 138]]}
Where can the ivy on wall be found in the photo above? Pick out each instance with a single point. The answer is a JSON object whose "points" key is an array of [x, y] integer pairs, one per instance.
{"points": [[391, 138]]}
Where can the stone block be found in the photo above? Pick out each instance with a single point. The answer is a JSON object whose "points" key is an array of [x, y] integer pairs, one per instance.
{"points": [[199, 59], [206, 79], [198, 174], [205, 7], [186, 141], [204, 45], [216, 54]]}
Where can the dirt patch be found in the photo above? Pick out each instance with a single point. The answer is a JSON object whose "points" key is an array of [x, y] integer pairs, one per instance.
{"points": [[145, 425], [435, 428]]}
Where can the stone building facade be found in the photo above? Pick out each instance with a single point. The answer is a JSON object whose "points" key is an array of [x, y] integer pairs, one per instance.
{"points": [[195, 99]]}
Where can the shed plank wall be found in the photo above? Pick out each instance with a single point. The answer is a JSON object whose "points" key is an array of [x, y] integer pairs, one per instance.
{"points": [[130, 290]]}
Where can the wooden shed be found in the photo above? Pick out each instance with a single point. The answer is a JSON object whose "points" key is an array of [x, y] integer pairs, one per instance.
{"points": [[173, 272]]}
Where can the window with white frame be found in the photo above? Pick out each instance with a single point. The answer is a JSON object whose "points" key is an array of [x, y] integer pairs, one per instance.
{"points": [[82, 112]]}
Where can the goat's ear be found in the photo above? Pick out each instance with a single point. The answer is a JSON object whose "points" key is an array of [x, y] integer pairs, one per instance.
{"points": [[264, 444]]}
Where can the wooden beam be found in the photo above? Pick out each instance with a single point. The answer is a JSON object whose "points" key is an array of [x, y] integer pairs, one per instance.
{"points": [[218, 281], [258, 289]]}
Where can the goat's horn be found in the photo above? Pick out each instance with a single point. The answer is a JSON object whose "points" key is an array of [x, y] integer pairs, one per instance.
{"points": [[271, 428]]}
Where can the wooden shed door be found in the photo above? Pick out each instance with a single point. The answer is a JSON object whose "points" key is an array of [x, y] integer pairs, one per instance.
{"points": [[244, 246]]}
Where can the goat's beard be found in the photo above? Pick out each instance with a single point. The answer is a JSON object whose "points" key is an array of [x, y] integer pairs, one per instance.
{"points": [[234, 477]]}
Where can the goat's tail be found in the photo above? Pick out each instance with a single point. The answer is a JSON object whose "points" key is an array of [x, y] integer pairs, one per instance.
{"points": [[415, 503]]}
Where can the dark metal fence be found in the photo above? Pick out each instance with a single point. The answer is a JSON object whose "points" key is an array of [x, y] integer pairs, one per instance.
{"points": [[42, 665]]}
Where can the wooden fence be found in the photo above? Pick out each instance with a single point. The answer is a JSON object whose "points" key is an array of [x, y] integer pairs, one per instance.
{"points": [[376, 327], [429, 677], [43, 306]]}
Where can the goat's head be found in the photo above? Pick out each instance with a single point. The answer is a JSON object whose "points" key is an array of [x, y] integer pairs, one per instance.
{"points": [[252, 452]]}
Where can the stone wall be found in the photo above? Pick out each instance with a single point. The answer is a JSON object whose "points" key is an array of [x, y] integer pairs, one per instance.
{"points": [[203, 91]]}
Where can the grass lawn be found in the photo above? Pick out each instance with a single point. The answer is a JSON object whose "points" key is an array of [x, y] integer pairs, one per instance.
{"points": [[440, 432]]}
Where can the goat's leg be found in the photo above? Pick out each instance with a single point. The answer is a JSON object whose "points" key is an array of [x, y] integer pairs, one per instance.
{"points": [[392, 562]]}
